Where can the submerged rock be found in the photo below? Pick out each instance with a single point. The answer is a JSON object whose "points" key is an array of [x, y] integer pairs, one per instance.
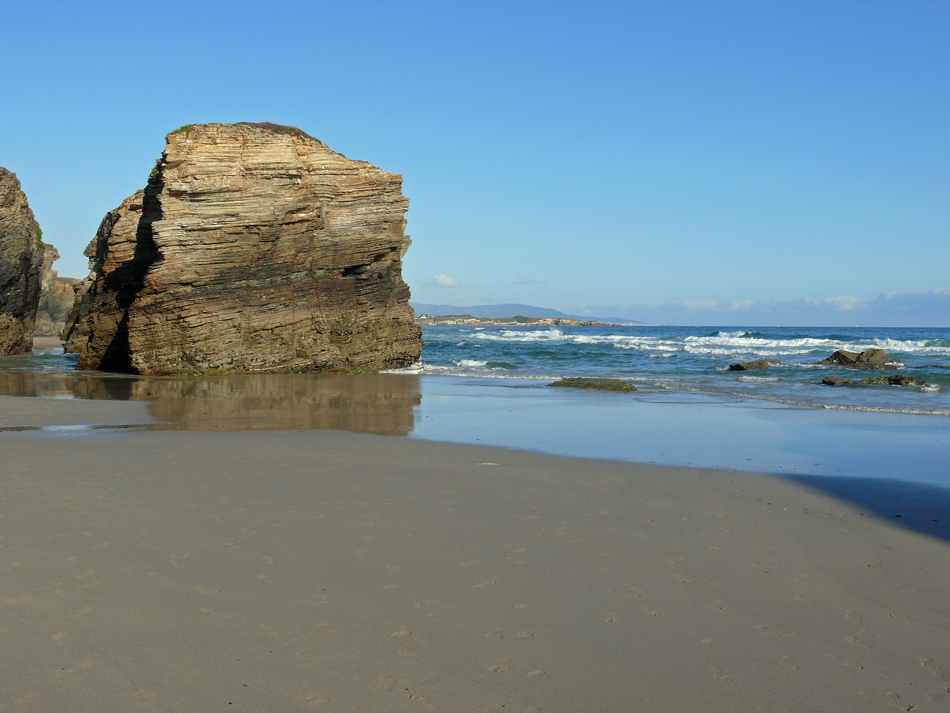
{"points": [[837, 381], [868, 359], [753, 365], [594, 383], [256, 249], [21, 257], [886, 380]]}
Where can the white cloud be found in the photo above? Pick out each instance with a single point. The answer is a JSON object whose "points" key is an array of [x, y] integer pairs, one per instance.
{"points": [[444, 280], [844, 303], [901, 309]]}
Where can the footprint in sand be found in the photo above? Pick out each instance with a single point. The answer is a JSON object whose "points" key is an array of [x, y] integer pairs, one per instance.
{"points": [[789, 663], [720, 675], [895, 700]]}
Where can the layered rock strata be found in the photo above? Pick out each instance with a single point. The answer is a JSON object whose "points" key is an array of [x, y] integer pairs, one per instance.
{"points": [[257, 249], [21, 257]]}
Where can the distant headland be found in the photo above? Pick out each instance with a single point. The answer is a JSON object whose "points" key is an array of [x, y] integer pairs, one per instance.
{"points": [[513, 315]]}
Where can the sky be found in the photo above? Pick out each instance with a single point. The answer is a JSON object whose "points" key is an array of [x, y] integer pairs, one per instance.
{"points": [[710, 163]]}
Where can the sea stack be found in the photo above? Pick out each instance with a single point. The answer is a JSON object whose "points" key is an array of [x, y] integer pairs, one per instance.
{"points": [[253, 248], [57, 296], [21, 258]]}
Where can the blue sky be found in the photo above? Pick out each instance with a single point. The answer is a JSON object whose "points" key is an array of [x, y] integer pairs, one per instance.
{"points": [[689, 162]]}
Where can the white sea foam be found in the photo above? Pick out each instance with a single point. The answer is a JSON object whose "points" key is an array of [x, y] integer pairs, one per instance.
{"points": [[469, 363], [421, 368]]}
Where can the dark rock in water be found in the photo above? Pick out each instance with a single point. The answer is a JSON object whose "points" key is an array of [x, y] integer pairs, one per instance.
{"points": [[886, 380], [753, 365], [892, 380], [837, 381], [21, 258], [598, 384], [257, 249], [868, 359]]}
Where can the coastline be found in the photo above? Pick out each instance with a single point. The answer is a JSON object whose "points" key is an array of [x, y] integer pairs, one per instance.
{"points": [[296, 570]]}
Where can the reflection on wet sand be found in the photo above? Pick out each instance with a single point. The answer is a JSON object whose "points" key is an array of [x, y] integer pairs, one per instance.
{"points": [[377, 403]]}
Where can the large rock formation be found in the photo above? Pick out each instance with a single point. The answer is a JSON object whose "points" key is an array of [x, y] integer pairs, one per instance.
{"points": [[257, 249], [21, 255], [57, 295]]}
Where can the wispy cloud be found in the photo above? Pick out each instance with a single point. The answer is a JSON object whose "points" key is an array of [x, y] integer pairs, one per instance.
{"points": [[523, 279], [844, 303], [444, 280], [909, 309]]}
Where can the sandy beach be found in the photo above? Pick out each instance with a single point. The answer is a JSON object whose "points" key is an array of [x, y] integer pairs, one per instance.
{"points": [[325, 570]]}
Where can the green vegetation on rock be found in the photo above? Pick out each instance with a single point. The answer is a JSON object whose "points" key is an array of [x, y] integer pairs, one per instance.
{"points": [[38, 233], [595, 383], [180, 129]]}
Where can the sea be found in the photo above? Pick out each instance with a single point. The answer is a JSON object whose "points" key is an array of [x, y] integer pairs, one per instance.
{"points": [[662, 360], [884, 448]]}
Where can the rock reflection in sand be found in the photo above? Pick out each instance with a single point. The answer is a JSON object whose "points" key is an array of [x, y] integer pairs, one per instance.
{"points": [[372, 403]]}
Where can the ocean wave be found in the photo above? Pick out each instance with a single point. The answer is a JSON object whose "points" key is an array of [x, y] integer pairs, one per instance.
{"points": [[422, 368], [513, 335]]}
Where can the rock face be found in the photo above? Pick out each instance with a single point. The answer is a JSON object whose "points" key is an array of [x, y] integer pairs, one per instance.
{"points": [[21, 256], [111, 254], [868, 359], [256, 249], [56, 297], [753, 365]]}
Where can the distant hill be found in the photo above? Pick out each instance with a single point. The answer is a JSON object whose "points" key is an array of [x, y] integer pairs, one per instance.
{"points": [[507, 310]]}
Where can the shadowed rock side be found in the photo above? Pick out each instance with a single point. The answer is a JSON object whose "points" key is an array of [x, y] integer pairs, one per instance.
{"points": [[21, 257], [258, 250], [96, 307]]}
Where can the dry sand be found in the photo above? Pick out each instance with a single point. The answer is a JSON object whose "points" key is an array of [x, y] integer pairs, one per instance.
{"points": [[323, 570]]}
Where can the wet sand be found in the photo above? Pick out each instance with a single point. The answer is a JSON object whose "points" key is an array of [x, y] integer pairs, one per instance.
{"points": [[325, 570]]}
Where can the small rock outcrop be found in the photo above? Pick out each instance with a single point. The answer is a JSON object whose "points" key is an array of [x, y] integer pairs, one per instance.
{"points": [[56, 297], [595, 383], [868, 359], [21, 257], [885, 380], [754, 365], [255, 249]]}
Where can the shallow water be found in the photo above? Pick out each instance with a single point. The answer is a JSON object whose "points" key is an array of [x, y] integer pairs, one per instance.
{"points": [[732, 428]]}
